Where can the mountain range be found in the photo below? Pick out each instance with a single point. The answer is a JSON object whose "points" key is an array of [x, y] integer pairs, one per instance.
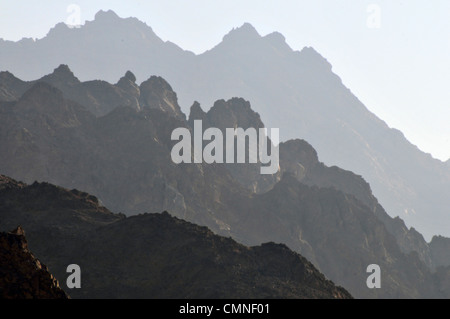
{"points": [[295, 91], [144, 256], [54, 130]]}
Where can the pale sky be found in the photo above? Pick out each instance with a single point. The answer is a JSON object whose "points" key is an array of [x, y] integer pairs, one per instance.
{"points": [[393, 55]]}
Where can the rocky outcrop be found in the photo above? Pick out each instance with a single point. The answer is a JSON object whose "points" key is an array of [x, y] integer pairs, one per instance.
{"points": [[237, 113], [22, 276], [128, 84], [62, 77], [156, 93], [99, 97]]}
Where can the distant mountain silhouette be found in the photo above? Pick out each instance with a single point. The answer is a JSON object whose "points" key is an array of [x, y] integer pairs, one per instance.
{"points": [[327, 214], [293, 90], [145, 256]]}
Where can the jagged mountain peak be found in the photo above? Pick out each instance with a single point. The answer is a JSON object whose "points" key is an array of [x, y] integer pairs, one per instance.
{"points": [[278, 42], [129, 79], [157, 93], [236, 112], [196, 111], [130, 28], [130, 76], [276, 36], [312, 57], [108, 15], [61, 75], [63, 69], [58, 29], [244, 32], [197, 108], [128, 84], [301, 151], [159, 82]]}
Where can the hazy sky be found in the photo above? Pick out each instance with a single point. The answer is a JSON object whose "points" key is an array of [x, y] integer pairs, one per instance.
{"points": [[394, 55]]}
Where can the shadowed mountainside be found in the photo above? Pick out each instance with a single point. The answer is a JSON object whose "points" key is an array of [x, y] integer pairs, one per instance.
{"points": [[22, 276], [144, 256]]}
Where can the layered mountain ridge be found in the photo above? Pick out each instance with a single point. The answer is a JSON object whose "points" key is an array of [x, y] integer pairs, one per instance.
{"points": [[170, 258], [295, 91], [327, 214]]}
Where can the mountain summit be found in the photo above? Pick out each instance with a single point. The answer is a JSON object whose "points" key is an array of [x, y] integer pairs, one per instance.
{"points": [[108, 16], [62, 75], [246, 32]]}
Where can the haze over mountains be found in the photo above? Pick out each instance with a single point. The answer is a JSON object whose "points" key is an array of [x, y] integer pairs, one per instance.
{"points": [[294, 91], [114, 141], [49, 132]]}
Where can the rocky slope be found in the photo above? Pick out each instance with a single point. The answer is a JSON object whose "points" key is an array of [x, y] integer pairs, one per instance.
{"points": [[144, 256], [339, 234], [22, 276], [236, 113], [300, 159]]}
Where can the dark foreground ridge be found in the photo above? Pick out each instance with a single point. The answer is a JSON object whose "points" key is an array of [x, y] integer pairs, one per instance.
{"points": [[22, 276], [144, 256]]}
